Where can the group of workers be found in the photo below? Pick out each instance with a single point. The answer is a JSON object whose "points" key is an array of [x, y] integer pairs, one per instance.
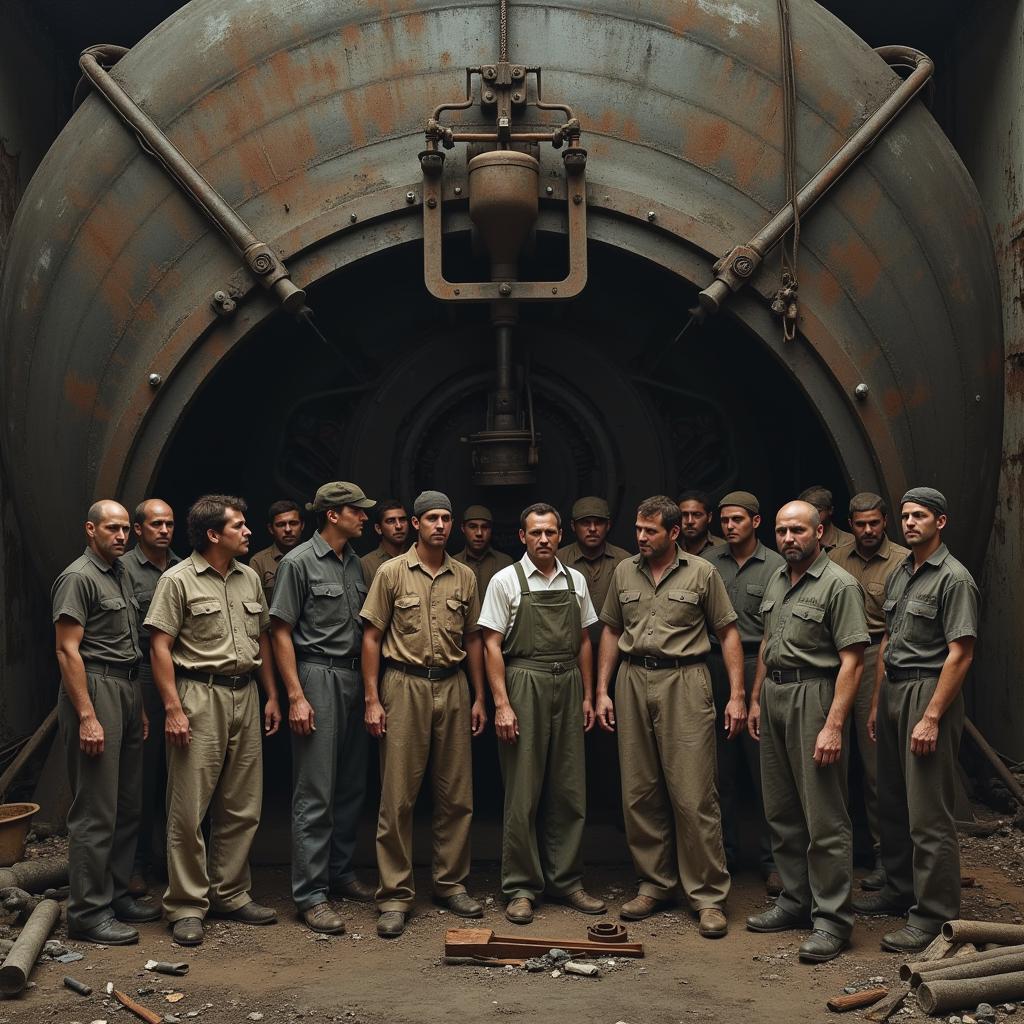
{"points": [[723, 667]]}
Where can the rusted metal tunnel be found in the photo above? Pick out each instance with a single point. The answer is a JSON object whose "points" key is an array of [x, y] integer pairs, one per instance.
{"points": [[126, 377]]}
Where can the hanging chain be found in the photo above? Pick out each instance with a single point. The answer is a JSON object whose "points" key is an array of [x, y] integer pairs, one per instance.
{"points": [[503, 30]]}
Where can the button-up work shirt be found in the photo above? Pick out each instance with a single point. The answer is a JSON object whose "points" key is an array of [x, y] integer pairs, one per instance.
{"points": [[215, 620], [833, 537], [670, 620], [99, 597], [320, 594], [598, 572], [485, 568], [504, 594], [264, 563], [807, 624], [143, 574], [927, 609], [373, 561], [745, 586], [872, 574], [423, 617]]}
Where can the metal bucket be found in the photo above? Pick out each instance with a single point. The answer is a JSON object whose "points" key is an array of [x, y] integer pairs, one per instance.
{"points": [[15, 820]]}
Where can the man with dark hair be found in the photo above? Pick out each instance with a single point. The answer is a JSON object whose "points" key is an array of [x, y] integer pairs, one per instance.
{"points": [[745, 566], [478, 528], [153, 526], [392, 526], [535, 619], [807, 675], [695, 535], [208, 641], [870, 558], [317, 636], [659, 610], [102, 727], [821, 498], [421, 615], [284, 524], [931, 622]]}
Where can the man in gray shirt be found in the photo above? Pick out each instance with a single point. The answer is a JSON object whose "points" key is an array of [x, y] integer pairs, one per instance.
{"points": [[317, 635]]}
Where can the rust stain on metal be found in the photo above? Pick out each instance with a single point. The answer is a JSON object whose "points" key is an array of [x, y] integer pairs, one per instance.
{"points": [[379, 105], [351, 35], [354, 117], [859, 264], [446, 59], [82, 396]]}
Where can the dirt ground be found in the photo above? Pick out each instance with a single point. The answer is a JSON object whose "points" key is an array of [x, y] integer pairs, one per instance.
{"points": [[285, 973]]}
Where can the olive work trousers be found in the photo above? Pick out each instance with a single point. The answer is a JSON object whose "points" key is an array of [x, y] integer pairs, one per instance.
{"points": [[221, 770], [328, 782], [805, 805], [920, 852], [106, 798], [427, 721], [867, 749], [666, 724], [739, 767], [151, 850], [545, 787]]}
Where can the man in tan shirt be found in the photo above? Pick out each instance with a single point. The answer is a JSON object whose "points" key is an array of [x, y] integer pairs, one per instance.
{"points": [[821, 498], [870, 558], [421, 617], [208, 641], [284, 524], [695, 536], [392, 527], [657, 615], [478, 528]]}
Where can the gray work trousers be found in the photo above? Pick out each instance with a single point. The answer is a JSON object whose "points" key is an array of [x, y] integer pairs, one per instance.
{"points": [[805, 805], [328, 782], [739, 767], [103, 821], [920, 852], [151, 848]]}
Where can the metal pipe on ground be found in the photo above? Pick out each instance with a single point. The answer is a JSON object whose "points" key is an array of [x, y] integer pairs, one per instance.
{"points": [[25, 951], [36, 876], [1008, 779], [956, 969], [935, 997], [923, 967], [32, 744], [979, 932]]}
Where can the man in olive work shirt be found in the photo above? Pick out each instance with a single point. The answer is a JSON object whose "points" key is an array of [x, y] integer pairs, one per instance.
{"points": [[102, 726], [317, 636], [931, 621], [809, 669]]}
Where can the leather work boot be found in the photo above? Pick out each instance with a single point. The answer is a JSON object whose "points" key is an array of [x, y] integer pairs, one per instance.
{"points": [[353, 890], [907, 939], [391, 924], [776, 919], [188, 931], [639, 907], [107, 933], [773, 884], [137, 884], [713, 924], [133, 911], [249, 913], [519, 910], [875, 904], [875, 881], [582, 901], [820, 946], [323, 918], [462, 904]]}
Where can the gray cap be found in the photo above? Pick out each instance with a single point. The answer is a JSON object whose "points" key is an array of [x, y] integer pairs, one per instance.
{"points": [[426, 500], [338, 493], [927, 496], [477, 512], [742, 499], [590, 508]]}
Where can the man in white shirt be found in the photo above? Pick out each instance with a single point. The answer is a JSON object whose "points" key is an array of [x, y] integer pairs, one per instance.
{"points": [[540, 668]]}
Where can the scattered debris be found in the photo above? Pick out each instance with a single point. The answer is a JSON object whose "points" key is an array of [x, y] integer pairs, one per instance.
{"points": [[178, 968], [140, 1011], [174, 997], [256, 1015], [69, 957], [587, 970], [26, 949], [77, 986]]}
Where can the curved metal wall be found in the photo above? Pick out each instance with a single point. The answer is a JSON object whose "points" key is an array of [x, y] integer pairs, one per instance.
{"points": [[308, 114]]}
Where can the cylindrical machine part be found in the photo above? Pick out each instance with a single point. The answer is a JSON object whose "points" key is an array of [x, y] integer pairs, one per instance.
{"points": [[955, 969], [935, 997], [980, 932], [25, 951], [36, 876], [503, 204], [923, 968]]}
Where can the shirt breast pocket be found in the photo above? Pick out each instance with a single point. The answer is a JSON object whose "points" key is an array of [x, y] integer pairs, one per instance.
{"points": [[805, 629], [888, 610], [683, 608], [921, 619], [455, 617], [407, 614], [755, 595], [629, 602], [113, 616], [206, 620], [253, 610], [326, 604]]}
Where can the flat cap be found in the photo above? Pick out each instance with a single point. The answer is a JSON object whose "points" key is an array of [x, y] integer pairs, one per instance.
{"points": [[585, 508], [477, 512], [338, 493], [927, 496], [742, 499], [426, 500]]}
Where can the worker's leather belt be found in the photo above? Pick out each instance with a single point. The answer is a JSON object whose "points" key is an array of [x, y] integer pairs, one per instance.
{"points": [[800, 675], [433, 674], [556, 668], [652, 663], [112, 668], [319, 659], [216, 679], [904, 675]]}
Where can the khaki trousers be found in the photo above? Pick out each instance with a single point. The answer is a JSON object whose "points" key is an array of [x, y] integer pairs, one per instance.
{"points": [[920, 852], [806, 805], [426, 721], [666, 724], [866, 747], [106, 797], [221, 770]]}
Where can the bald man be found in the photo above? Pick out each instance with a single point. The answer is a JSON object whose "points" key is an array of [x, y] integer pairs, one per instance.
{"points": [[806, 679], [102, 726]]}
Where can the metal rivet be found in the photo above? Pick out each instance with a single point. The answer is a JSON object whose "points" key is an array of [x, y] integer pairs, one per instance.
{"points": [[577, 199], [505, 289], [352, 217], [977, 398], [651, 215], [550, 191], [456, 291], [458, 190], [432, 202], [516, 97], [155, 380], [488, 97], [861, 391], [554, 291], [410, 197]]}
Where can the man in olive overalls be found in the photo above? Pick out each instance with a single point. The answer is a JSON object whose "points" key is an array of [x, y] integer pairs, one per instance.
{"points": [[540, 668]]}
